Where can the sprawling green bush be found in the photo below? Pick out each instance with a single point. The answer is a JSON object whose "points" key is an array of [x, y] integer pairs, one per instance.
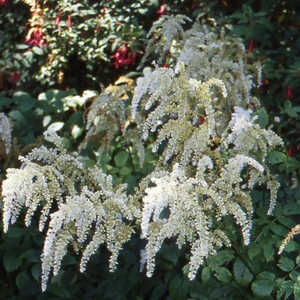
{"points": [[204, 124]]}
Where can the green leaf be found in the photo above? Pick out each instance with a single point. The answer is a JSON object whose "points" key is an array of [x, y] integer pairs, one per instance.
{"points": [[286, 264], [37, 50], [262, 288], [291, 209], [16, 232], [276, 157], [241, 273], [223, 274], [121, 159], [178, 288], [36, 272], [205, 274], [56, 126], [22, 46], [291, 247], [285, 289], [158, 292], [253, 251], [297, 290], [31, 255], [278, 229], [125, 171], [263, 118], [266, 276], [4, 101], [294, 275], [222, 257], [170, 253], [268, 251], [17, 116], [287, 222], [11, 262], [23, 280]]}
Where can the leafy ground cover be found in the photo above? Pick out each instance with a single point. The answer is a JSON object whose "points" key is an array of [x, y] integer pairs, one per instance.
{"points": [[57, 57]]}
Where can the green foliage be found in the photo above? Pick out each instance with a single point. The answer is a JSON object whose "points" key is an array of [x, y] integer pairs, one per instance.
{"points": [[205, 183]]}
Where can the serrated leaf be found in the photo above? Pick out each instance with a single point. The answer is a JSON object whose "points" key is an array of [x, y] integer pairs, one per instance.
{"points": [[291, 209], [262, 288], [266, 276], [263, 118], [125, 171], [296, 290], [268, 251], [121, 159], [286, 264], [205, 274], [288, 222], [294, 275], [222, 257], [223, 274], [241, 273], [291, 246], [285, 289], [278, 229], [276, 157], [253, 251]]}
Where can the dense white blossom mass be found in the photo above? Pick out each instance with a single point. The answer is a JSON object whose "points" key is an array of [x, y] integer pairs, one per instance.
{"points": [[212, 153]]}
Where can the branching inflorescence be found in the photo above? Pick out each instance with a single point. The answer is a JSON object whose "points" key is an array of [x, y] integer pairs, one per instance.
{"points": [[212, 154], [82, 204]]}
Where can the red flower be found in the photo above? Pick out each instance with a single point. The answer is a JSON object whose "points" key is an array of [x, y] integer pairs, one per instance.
{"points": [[289, 93], [35, 37], [162, 10], [290, 151], [124, 50], [14, 78], [3, 2], [250, 48], [202, 120], [57, 20], [124, 57], [264, 83], [69, 22]]}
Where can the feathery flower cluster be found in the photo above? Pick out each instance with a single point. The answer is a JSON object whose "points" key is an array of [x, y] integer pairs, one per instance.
{"points": [[216, 162], [84, 199]]}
